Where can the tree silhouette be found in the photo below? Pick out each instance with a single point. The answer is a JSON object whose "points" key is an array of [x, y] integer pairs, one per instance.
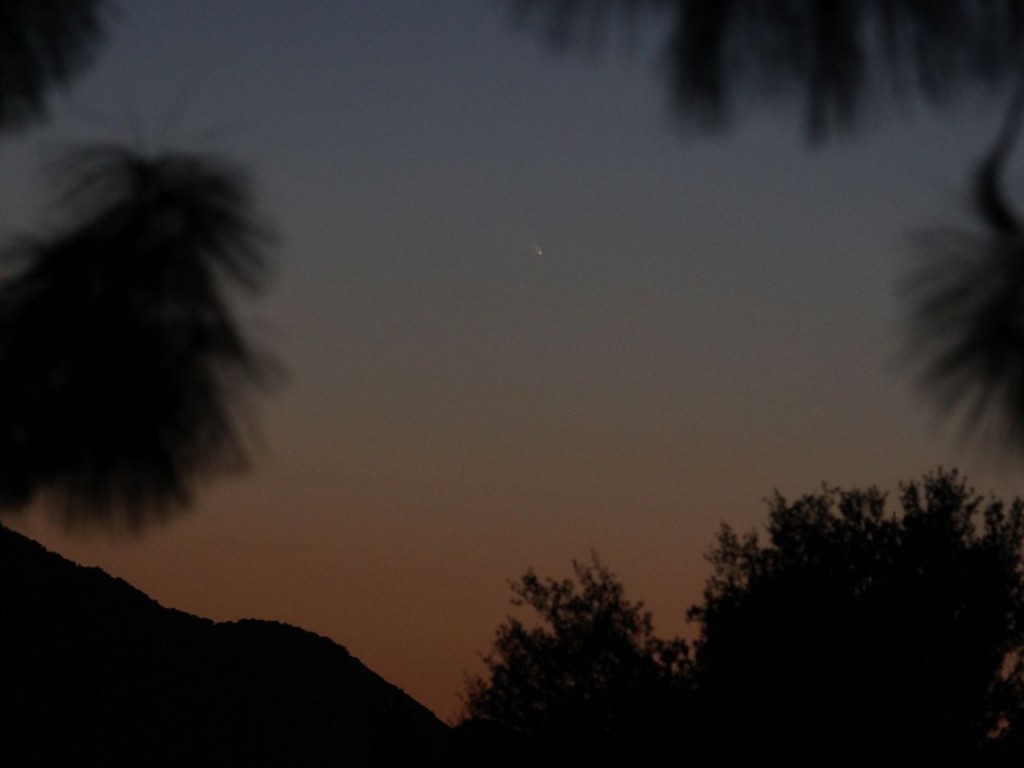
{"points": [[121, 362], [861, 636], [122, 366], [840, 58], [43, 44], [968, 317], [591, 683], [853, 635]]}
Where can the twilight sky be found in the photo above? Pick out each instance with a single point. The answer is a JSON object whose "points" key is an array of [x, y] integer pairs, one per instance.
{"points": [[524, 315]]}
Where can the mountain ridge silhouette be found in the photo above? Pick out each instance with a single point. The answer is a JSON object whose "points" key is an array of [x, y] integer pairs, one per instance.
{"points": [[97, 669]]}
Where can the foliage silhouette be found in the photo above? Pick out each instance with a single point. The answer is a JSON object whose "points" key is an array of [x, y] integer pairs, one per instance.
{"points": [[121, 361], [967, 314], [854, 635], [861, 636], [43, 43], [591, 682], [122, 367], [840, 56]]}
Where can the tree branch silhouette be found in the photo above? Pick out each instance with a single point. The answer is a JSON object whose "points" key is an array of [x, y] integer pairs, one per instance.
{"points": [[124, 375], [839, 58], [968, 302], [44, 44], [123, 371]]}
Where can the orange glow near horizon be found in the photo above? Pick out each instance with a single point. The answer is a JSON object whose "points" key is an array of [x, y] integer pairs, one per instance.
{"points": [[713, 318]]}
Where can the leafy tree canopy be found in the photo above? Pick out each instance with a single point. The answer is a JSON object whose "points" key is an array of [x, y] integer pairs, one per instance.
{"points": [[861, 635], [854, 632], [589, 679]]}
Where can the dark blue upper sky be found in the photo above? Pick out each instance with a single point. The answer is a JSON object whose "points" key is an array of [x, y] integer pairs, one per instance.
{"points": [[525, 313]]}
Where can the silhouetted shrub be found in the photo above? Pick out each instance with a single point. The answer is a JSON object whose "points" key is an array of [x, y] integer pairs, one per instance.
{"points": [[857, 635], [591, 682]]}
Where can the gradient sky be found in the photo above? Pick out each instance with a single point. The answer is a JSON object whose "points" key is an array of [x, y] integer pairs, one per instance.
{"points": [[710, 318]]}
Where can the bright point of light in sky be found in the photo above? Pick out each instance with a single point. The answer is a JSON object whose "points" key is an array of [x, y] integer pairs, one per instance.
{"points": [[718, 323]]}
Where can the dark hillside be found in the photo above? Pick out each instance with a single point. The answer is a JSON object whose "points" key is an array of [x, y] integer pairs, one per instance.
{"points": [[94, 669]]}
